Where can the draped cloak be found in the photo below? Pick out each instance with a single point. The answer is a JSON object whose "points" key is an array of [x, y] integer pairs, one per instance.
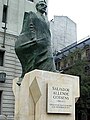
{"points": [[33, 46]]}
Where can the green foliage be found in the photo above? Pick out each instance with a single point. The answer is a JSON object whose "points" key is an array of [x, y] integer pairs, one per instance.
{"points": [[78, 69]]}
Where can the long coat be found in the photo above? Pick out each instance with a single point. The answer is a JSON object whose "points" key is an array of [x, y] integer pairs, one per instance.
{"points": [[33, 46]]}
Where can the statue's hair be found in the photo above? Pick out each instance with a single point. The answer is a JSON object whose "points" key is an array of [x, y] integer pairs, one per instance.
{"points": [[40, 3]]}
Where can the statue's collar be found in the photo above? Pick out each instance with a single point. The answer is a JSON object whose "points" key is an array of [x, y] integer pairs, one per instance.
{"points": [[40, 15]]}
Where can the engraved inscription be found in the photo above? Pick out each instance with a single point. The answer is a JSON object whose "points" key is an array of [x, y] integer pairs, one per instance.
{"points": [[59, 98]]}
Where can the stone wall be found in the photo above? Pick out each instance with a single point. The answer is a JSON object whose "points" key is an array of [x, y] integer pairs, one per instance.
{"points": [[12, 68]]}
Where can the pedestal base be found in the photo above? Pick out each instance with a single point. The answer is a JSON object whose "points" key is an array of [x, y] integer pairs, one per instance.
{"points": [[45, 95]]}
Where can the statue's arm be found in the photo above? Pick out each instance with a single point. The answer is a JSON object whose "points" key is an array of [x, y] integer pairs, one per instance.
{"points": [[32, 26]]}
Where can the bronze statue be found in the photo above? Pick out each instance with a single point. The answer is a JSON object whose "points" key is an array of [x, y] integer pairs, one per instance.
{"points": [[33, 46]]}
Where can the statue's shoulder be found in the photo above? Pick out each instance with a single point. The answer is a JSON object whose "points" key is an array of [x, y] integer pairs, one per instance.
{"points": [[29, 15], [32, 14]]}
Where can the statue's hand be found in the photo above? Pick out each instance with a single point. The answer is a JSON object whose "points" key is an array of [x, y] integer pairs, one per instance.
{"points": [[32, 28]]}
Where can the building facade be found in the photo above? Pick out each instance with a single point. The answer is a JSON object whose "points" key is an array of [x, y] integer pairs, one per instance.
{"points": [[63, 32], [67, 56]]}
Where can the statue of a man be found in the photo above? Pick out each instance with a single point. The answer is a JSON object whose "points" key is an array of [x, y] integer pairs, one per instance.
{"points": [[33, 46]]}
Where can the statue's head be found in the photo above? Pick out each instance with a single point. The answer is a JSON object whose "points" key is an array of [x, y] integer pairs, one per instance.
{"points": [[41, 6]]}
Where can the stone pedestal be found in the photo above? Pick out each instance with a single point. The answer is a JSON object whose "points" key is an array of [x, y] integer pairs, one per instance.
{"points": [[45, 95]]}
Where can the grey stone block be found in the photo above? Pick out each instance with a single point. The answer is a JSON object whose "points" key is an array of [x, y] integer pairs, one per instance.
{"points": [[3, 117]]}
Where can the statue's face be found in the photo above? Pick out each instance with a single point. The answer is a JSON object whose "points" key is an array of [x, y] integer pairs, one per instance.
{"points": [[42, 7]]}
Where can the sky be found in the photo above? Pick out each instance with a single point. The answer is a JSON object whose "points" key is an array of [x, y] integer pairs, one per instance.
{"points": [[76, 10]]}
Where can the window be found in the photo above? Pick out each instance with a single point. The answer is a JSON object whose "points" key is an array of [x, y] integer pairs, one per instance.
{"points": [[4, 17], [79, 56], [71, 60], [87, 70], [88, 53], [0, 100], [57, 65], [1, 58], [65, 62], [30, 0]]}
